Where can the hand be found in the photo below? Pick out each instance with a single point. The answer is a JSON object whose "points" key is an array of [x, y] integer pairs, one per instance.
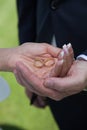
{"points": [[30, 52], [74, 82], [35, 84], [36, 57], [67, 57]]}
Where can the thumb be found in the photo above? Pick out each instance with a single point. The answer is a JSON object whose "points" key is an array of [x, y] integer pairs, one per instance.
{"points": [[61, 84]]}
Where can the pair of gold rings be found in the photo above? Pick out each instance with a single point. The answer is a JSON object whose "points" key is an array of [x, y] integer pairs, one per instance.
{"points": [[39, 63]]}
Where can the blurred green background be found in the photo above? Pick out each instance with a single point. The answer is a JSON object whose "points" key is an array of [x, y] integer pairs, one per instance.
{"points": [[15, 110]]}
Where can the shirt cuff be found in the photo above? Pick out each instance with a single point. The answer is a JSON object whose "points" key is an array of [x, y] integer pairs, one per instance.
{"points": [[82, 56]]}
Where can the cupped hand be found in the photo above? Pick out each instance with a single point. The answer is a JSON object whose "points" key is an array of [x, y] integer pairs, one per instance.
{"points": [[28, 55], [74, 82], [33, 82], [39, 58]]}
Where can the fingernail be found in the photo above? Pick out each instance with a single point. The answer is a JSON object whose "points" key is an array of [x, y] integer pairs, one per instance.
{"points": [[61, 55], [47, 83], [69, 45], [64, 46], [65, 49]]}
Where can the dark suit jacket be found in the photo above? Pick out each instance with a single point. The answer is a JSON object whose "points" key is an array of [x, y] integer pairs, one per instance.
{"points": [[67, 21], [38, 21]]}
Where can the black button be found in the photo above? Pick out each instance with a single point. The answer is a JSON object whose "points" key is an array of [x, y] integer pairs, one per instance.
{"points": [[54, 4]]}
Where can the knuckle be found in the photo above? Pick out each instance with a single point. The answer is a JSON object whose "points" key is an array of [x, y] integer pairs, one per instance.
{"points": [[57, 97], [44, 44]]}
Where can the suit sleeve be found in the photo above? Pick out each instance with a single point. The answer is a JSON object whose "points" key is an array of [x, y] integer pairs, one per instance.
{"points": [[26, 10], [82, 56], [85, 52]]}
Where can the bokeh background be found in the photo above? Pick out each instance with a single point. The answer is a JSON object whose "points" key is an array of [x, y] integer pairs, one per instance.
{"points": [[15, 110]]}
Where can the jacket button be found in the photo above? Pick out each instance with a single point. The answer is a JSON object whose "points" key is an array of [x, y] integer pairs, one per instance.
{"points": [[54, 4]]}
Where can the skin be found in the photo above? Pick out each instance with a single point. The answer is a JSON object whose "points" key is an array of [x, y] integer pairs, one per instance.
{"points": [[35, 83], [74, 82], [27, 53]]}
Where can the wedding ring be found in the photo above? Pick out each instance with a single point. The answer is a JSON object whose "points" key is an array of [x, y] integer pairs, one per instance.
{"points": [[39, 63], [49, 62]]}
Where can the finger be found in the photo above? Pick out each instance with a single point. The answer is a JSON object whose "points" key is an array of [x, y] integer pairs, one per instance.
{"points": [[23, 82], [28, 86], [28, 89], [54, 51], [70, 49], [65, 63], [71, 55], [66, 84], [40, 102], [28, 93], [56, 70], [28, 79], [68, 59], [17, 78], [63, 56], [35, 82]]}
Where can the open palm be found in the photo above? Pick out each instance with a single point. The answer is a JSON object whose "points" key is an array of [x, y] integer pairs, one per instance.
{"points": [[30, 54], [39, 58]]}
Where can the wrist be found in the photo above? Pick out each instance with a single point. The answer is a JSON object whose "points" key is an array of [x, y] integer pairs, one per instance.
{"points": [[6, 54]]}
